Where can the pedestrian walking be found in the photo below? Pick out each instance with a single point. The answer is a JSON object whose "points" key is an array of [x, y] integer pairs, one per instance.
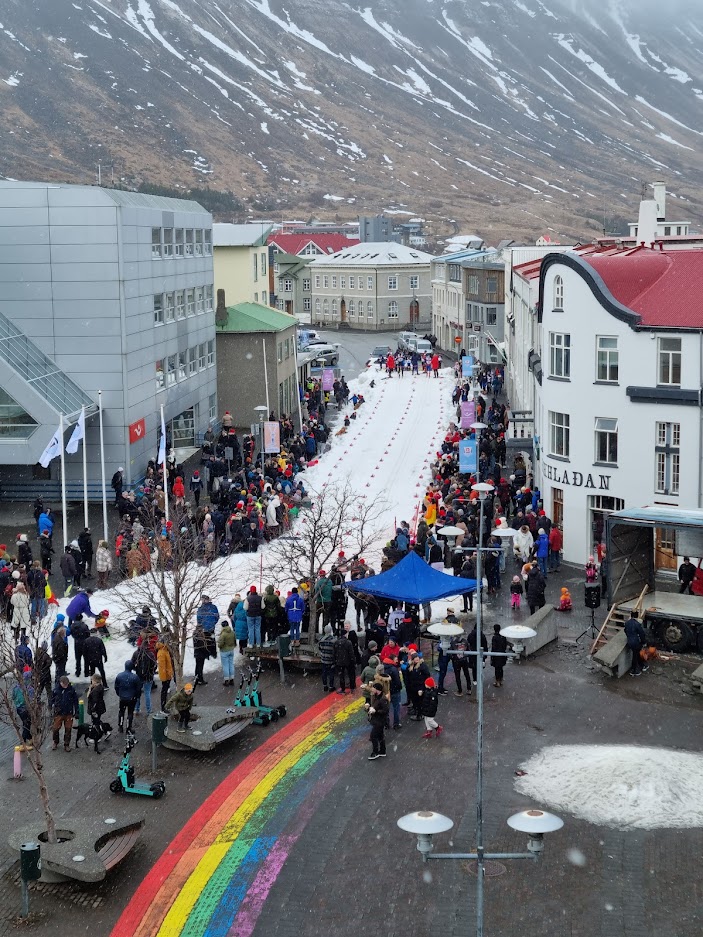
{"points": [[499, 645], [326, 646], [345, 662], [636, 640], [64, 708], [429, 704], [164, 664], [128, 686], [377, 711], [226, 644]]}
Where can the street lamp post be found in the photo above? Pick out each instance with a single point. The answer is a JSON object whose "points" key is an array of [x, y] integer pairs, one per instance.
{"points": [[425, 823]]}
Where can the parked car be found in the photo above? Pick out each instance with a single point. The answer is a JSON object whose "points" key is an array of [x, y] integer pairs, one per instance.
{"points": [[405, 338], [328, 354], [379, 351]]}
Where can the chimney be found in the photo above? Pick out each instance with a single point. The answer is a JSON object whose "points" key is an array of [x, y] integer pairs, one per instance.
{"points": [[647, 222], [660, 198], [221, 315]]}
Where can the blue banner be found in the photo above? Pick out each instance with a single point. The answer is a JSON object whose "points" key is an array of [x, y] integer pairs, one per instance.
{"points": [[467, 366], [468, 450]]}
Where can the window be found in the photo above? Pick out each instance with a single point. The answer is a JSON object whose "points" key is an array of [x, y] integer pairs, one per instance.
{"points": [[317, 308], [276, 265], [392, 283], [168, 242], [317, 281], [207, 234], [343, 283], [279, 304], [334, 283], [414, 282], [170, 307], [558, 507], [606, 359], [265, 298], [454, 273], [210, 297], [192, 360], [352, 308], [189, 242], [160, 374], [361, 283], [491, 315], [190, 302], [307, 304], [287, 285], [473, 284], [158, 308], [201, 356], [335, 308], [606, 440], [180, 304], [263, 263], [211, 353], [182, 366], [256, 297], [198, 242], [255, 261], [559, 434], [178, 246], [558, 293], [326, 282], [491, 284], [369, 283], [155, 243], [326, 309], [393, 309], [171, 370], [559, 355], [306, 284], [667, 230], [199, 299], [352, 282], [212, 406], [670, 361], [369, 310], [667, 458]]}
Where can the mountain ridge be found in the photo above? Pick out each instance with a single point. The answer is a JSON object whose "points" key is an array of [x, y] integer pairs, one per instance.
{"points": [[509, 118]]}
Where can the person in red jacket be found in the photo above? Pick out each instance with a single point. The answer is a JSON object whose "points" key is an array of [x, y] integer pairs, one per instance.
{"points": [[390, 365], [179, 491], [435, 365], [556, 542]]}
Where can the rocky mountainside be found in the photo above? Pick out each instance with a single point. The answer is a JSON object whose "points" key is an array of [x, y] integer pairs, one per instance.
{"points": [[510, 117]]}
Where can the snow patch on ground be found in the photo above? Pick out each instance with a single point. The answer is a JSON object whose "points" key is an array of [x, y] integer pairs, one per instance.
{"points": [[624, 787]]}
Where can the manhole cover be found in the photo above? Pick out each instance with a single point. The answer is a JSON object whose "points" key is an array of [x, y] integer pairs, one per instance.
{"points": [[490, 867]]}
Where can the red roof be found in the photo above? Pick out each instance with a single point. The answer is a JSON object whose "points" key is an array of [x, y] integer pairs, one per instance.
{"points": [[296, 243], [663, 287]]}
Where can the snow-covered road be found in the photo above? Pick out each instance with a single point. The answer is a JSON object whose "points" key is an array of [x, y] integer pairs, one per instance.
{"points": [[385, 453]]}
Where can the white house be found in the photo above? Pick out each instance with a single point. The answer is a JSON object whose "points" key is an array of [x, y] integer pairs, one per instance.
{"points": [[618, 401]]}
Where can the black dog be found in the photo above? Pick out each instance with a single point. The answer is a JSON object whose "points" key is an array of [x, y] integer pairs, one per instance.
{"points": [[95, 731]]}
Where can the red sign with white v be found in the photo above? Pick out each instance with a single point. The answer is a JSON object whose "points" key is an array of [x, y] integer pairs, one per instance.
{"points": [[137, 431]]}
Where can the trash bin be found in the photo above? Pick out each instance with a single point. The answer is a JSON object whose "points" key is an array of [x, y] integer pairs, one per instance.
{"points": [[284, 645], [30, 862], [159, 721]]}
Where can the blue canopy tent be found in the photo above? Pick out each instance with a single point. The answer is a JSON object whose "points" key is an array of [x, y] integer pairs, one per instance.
{"points": [[412, 580]]}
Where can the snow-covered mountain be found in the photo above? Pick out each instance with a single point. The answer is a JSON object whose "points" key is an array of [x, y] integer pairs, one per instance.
{"points": [[511, 116]]}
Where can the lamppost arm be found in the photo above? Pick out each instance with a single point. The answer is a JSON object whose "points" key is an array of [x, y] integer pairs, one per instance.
{"points": [[486, 855]]}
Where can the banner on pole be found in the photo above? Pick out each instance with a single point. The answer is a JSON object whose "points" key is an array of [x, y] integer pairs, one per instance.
{"points": [[468, 456], [328, 378], [468, 413], [467, 366], [272, 436]]}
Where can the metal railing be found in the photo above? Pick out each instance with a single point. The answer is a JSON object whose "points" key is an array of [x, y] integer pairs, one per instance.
{"points": [[39, 371]]}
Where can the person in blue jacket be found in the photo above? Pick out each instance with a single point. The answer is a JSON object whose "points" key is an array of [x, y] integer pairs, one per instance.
{"points": [[80, 605], [238, 616], [207, 615], [128, 687], [295, 607], [45, 521], [542, 550]]}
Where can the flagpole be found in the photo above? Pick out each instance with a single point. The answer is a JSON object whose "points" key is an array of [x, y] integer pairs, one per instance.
{"points": [[63, 484], [102, 465], [163, 443], [85, 472]]}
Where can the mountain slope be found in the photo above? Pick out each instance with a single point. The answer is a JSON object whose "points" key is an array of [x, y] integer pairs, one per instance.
{"points": [[509, 116]]}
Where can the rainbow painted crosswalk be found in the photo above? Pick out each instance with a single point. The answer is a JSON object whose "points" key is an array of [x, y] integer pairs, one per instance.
{"points": [[214, 878]]}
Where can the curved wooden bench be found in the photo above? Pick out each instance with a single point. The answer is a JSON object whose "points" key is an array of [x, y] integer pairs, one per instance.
{"points": [[115, 846]]}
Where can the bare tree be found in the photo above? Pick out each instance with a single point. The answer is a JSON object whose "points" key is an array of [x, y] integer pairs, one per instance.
{"points": [[339, 519], [172, 582], [25, 702]]}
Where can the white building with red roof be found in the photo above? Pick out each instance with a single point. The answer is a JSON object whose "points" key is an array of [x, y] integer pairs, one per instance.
{"points": [[618, 365]]}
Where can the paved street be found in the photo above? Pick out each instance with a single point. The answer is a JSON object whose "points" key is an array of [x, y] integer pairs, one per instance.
{"points": [[303, 828]]}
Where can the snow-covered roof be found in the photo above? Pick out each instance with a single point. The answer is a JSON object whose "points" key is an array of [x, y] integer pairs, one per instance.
{"points": [[464, 254], [240, 235], [374, 254]]}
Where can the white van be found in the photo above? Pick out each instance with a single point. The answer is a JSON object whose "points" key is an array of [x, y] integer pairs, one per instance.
{"points": [[421, 346], [405, 338]]}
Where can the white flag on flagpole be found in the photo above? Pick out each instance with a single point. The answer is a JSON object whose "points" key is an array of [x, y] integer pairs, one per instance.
{"points": [[162, 442], [53, 449], [77, 434]]}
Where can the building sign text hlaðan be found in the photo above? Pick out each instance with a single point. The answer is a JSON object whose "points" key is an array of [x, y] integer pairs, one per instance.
{"points": [[576, 479]]}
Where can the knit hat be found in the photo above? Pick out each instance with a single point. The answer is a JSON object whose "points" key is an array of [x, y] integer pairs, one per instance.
{"points": [[188, 687], [374, 661], [429, 683], [252, 589], [412, 647], [328, 629], [516, 579], [372, 645], [564, 590]]}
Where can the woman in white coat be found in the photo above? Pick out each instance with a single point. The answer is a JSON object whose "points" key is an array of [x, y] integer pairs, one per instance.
{"points": [[522, 544], [21, 619]]}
